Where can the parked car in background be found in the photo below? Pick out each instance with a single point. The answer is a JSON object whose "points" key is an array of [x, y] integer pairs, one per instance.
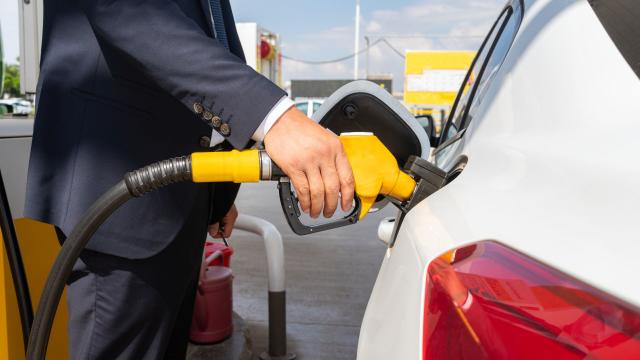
{"points": [[308, 106], [16, 107], [529, 250], [5, 109]]}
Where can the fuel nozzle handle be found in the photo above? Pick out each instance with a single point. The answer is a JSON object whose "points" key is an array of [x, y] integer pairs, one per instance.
{"points": [[375, 169]]}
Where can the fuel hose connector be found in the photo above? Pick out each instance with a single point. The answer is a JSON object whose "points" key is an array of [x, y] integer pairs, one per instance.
{"points": [[158, 175], [233, 166]]}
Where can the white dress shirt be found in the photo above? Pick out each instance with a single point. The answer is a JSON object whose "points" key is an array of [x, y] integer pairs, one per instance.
{"points": [[276, 112]]}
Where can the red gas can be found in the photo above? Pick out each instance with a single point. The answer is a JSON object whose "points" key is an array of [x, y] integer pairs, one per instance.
{"points": [[213, 309]]}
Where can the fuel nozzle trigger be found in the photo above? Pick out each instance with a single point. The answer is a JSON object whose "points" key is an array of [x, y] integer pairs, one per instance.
{"points": [[292, 213]]}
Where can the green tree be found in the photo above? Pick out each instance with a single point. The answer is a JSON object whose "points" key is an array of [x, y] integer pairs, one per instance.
{"points": [[1, 72], [12, 80], [1, 62]]}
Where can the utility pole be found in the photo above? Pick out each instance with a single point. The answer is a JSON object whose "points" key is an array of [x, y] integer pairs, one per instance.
{"points": [[357, 41], [366, 69]]}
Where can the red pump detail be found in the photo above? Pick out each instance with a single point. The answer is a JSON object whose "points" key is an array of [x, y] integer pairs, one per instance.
{"points": [[488, 301]]}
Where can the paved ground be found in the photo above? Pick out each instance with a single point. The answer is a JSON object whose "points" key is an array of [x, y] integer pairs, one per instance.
{"points": [[329, 278]]}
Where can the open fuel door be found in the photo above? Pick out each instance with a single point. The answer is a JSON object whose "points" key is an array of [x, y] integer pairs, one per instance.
{"points": [[359, 107], [363, 106]]}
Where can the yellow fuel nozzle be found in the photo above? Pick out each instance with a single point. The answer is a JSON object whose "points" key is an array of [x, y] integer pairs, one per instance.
{"points": [[226, 166], [375, 170]]}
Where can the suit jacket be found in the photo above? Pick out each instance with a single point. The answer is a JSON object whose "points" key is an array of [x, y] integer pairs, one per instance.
{"points": [[126, 83]]}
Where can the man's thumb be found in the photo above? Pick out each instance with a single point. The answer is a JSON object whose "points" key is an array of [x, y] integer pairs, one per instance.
{"points": [[213, 229]]}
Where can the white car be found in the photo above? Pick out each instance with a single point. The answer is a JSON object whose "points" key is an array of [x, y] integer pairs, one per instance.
{"points": [[530, 249], [308, 106], [16, 107]]}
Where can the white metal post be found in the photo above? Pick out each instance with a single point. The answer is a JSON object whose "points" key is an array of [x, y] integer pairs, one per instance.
{"points": [[274, 249], [366, 69], [30, 18], [357, 41], [273, 244]]}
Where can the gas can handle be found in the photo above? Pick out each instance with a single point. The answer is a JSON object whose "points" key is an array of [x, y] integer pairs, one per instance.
{"points": [[216, 254], [206, 261]]}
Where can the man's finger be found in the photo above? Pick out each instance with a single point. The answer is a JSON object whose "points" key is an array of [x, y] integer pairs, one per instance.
{"points": [[301, 185], [316, 189], [229, 221], [228, 226], [347, 182], [214, 230], [227, 231], [331, 189]]}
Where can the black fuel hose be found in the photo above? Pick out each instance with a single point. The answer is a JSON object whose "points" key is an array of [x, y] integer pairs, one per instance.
{"points": [[18, 273], [135, 184]]}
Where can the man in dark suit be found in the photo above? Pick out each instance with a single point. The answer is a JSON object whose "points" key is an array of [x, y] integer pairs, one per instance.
{"points": [[126, 83]]}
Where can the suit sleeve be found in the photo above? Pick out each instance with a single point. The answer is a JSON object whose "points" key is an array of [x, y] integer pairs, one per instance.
{"points": [[223, 196], [175, 53]]}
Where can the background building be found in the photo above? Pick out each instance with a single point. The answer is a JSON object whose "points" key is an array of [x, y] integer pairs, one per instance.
{"points": [[432, 80], [320, 89], [262, 50]]}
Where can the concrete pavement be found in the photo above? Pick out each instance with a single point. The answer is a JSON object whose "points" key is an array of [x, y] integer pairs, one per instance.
{"points": [[329, 278]]}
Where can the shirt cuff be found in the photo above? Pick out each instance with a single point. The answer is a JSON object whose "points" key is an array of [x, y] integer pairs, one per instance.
{"points": [[276, 112], [216, 138]]}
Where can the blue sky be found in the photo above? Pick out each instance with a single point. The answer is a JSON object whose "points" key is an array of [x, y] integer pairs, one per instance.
{"points": [[319, 30]]}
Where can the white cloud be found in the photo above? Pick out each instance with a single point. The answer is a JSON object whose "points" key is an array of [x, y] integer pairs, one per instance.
{"points": [[427, 24], [309, 46], [339, 70]]}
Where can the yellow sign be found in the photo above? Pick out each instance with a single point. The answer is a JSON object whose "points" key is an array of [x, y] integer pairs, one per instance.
{"points": [[433, 78]]}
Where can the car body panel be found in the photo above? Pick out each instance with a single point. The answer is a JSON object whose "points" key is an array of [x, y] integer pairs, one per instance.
{"points": [[544, 175]]}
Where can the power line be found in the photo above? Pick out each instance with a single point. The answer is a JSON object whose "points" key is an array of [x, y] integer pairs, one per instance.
{"points": [[381, 39], [393, 48], [321, 62], [422, 36], [346, 57]]}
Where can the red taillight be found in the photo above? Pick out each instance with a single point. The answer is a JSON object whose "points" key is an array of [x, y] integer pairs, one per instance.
{"points": [[487, 301]]}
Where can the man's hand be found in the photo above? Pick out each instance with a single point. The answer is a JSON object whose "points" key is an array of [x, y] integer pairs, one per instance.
{"points": [[314, 160], [225, 226]]}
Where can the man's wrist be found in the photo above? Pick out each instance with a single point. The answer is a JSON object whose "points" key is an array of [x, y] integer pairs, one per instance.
{"points": [[276, 113]]}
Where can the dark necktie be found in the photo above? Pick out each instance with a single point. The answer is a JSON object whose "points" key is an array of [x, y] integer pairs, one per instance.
{"points": [[218, 22]]}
